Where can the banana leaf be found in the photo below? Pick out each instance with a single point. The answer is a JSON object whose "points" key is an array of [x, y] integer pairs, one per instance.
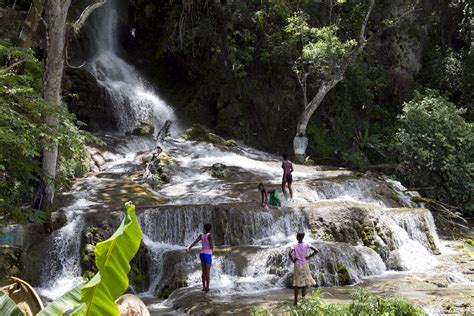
{"points": [[67, 302], [112, 259], [8, 306]]}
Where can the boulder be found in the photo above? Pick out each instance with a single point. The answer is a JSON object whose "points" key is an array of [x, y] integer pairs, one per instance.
{"points": [[144, 129], [131, 305], [219, 170]]}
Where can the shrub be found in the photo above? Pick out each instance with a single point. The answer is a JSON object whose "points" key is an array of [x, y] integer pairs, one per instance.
{"points": [[203, 134], [23, 134], [436, 149], [363, 303]]}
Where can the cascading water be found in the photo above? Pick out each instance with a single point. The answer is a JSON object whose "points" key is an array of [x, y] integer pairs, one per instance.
{"points": [[253, 242], [131, 98]]}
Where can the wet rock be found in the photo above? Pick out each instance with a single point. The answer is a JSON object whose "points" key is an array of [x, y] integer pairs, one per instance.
{"points": [[87, 100], [219, 170], [165, 292], [139, 276], [98, 159], [143, 129], [439, 281], [203, 134], [10, 261], [343, 275], [131, 305]]}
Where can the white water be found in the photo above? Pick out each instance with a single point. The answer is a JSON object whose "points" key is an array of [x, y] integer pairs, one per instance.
{"points": [[265, 235], [131, 97]]}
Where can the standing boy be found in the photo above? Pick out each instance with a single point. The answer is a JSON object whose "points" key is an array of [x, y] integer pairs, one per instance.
{"points": [[205, 255], [287, 176], [299, 255]]}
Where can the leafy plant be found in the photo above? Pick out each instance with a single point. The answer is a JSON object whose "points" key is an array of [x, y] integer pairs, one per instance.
{"points": [[363, 303], [23, 133], [97, 297], [8, 306], [437, 149]]}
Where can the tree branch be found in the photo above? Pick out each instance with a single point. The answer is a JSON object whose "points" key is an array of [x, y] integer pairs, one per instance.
{"points": [[366, 20], [401, 18], [85, 15], [12, 66]]}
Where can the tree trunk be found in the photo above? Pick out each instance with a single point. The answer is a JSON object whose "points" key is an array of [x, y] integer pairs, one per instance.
{"points": [[30, 25], [56, 14], [300, 142]]}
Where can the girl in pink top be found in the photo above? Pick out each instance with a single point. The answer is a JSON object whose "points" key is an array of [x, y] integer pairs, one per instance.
{"points": [[205, 255], [300, 254]]}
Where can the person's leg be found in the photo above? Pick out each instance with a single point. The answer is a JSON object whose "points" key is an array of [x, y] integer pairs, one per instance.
{"points": [[208, 275], [203, 275], [296, 295], [303, 292], [291, 191], [283, 187]]}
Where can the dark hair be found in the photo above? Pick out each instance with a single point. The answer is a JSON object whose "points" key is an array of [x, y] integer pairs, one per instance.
{"points": [[285, 156], [207, 228], [300, 236], [260, 185]]}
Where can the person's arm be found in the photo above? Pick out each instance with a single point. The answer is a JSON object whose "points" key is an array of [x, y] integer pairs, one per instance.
{"points": [[314, 252], [291, 166], [291, 257], [194, 242], [211, 245]]}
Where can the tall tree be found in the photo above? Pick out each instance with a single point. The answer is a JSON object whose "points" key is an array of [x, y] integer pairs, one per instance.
{"points": [[56, 12], [326, 56], [30, 24]]}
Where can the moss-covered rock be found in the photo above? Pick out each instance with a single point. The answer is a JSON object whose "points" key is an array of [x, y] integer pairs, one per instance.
{"points": [[139, 276], [219, 170], [165, 292], [343, 275], [203, 134], [10, 261], [144, 129]]}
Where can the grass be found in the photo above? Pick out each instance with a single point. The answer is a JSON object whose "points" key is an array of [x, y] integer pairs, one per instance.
{"points": [[363, 303]]}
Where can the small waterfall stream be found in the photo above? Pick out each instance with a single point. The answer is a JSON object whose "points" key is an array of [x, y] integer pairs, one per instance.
{"points": [[355, 222]]}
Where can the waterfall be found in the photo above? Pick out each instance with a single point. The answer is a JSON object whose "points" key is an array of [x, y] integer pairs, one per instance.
{"points": [[61, 269], [132, 99], [367, 225]]}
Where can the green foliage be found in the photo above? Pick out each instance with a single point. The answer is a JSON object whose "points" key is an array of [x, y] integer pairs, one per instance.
{"points": [[437, 149], [97, 297], [237, 60], [313, 305], [203, 134], [356, 160], [112, 260], [67, 302], [365, 303], [322, 50], [8, 306], [23, 133], [261, 311]]}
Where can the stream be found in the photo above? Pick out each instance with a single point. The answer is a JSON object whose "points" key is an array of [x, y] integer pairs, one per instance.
{"points": [[368, 225]]}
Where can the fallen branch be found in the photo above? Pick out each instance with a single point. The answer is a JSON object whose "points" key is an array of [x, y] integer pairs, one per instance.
{"points": [[449, 216]]}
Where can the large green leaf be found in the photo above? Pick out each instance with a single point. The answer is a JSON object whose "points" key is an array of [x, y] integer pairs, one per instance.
{"points": [[68, 301], [112, 259], [8, 306]]}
